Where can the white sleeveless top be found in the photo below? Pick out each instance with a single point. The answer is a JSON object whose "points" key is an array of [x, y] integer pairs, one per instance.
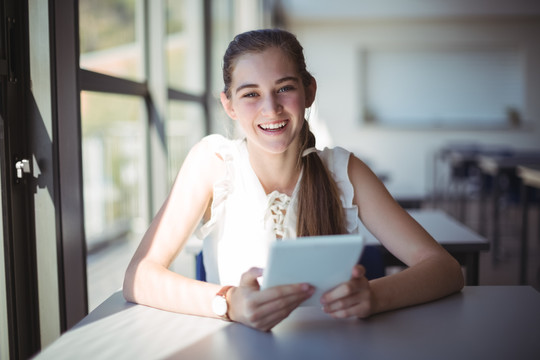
{"points": [[245, 220]]}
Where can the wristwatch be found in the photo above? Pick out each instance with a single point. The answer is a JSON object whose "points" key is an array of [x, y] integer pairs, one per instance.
{"points": [[220, 305]]}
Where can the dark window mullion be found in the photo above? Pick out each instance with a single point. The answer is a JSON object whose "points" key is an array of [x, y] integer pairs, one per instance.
{"points": [[174, 94], [94, 81], [67, 152]]}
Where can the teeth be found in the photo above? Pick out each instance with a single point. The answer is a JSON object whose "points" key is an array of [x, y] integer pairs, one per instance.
{"points": [[273, 126]]}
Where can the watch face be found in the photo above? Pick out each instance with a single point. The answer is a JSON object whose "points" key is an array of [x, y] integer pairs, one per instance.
{"points": [[219, 305]]}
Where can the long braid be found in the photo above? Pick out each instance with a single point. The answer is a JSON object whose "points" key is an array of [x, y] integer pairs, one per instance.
{"points": [[319, 207]]}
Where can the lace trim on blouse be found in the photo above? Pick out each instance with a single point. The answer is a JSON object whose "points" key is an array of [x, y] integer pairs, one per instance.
{"points": [[278, 204]]}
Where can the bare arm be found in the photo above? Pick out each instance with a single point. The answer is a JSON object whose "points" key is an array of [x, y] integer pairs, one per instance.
{"points": [[432, 272], [148, 280]]}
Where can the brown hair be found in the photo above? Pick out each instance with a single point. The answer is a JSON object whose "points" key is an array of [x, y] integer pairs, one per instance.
{"points": [[319, 207]]}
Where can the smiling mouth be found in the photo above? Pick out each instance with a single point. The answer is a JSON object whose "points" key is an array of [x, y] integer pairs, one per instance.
{"points": [[274, 126]]}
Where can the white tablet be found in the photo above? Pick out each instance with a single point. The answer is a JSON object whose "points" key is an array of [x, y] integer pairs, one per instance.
{"points": [[322, 261]]}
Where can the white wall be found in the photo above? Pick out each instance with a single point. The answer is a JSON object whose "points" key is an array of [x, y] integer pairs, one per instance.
{"points": [[332, 53]]}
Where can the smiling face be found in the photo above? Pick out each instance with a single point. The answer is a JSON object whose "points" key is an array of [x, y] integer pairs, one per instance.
{"points": [[268, 100]]}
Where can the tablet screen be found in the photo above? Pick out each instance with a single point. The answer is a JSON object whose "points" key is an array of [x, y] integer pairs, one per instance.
{"points": [[322, 261]]}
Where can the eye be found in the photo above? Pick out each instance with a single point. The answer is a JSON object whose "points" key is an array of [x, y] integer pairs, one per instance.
{"points": [[249, 95], [286, 88]]}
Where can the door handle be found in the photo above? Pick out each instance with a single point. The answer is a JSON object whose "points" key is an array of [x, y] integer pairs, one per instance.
{"points": [[22, 167]]}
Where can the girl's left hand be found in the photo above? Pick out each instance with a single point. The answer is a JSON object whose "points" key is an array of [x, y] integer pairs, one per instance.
{"points": [[352, 298]]}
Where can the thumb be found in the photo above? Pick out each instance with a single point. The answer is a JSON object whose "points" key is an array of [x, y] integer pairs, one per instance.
{"points": [[358, 271], [249, 278]]}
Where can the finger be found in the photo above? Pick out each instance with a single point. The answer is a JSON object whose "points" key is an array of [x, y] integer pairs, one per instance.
{"points": [[358, 271], [358, 280], [249, 278], [341, 291], [343, 303], [271, 313], [282, 296], [277, 316], [361, 310], [281, 291], [272, 305]]}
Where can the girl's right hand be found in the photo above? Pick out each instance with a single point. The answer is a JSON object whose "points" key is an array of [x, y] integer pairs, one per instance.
{"points": [[264, 309]]}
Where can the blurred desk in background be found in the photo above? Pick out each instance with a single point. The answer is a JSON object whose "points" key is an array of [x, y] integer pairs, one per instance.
{"points": [[530, 178], [408, 198], [464, 176], [459, 240], [502, 170]]}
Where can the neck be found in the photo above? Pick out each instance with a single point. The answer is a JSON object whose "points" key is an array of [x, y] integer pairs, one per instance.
{"points": [[275, 171]]}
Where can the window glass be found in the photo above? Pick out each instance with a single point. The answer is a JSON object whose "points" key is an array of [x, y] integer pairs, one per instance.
{"points": [[111, 37], [114, 184], [185, 127], [222, 33], [185, 45]]}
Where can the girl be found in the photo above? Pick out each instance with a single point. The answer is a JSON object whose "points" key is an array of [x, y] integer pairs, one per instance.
{"points": [[272, 185]]}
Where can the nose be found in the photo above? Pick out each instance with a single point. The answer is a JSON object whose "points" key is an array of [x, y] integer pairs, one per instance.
{"points": [[271, 106]]}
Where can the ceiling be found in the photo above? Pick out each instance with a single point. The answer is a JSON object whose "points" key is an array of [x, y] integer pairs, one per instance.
{"points": [[375, 9]]}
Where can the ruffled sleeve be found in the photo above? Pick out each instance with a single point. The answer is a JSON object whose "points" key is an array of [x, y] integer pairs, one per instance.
{"points": [[225, 149], [337, 162]]}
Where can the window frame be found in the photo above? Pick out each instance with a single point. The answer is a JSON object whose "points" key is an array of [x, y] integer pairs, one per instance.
{"points": [[67, 86]]}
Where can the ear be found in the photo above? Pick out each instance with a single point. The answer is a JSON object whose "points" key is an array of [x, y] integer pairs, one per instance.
{"points": [[227, 105], [311, 90]]}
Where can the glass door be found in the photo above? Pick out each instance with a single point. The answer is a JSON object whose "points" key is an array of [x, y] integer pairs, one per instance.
{"points": [[19, 313], [4, 339]]}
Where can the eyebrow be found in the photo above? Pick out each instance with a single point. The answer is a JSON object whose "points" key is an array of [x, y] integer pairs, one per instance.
{"points": [[279, 81]]}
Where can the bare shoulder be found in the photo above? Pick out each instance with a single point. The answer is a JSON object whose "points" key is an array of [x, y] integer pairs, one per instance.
{"points": [[369, 191], [203, 166], [361, 175]]}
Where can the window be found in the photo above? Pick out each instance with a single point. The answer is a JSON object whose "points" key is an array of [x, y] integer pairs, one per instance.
{"points": [[185, 45], [444, 87], [185, 127], [113, 149], [111, 37], [222, 34], [131, 133]]}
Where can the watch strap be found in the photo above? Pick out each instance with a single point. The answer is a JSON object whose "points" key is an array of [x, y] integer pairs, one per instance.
{"points": [[223, 293]]}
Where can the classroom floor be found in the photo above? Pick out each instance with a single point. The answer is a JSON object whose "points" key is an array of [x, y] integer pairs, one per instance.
{"points": [[106, 267]]}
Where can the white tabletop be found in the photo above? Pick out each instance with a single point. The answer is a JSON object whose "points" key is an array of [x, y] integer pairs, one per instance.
{"points": [[482, 322], [530, 174], [492, 164], [444, 228]]}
